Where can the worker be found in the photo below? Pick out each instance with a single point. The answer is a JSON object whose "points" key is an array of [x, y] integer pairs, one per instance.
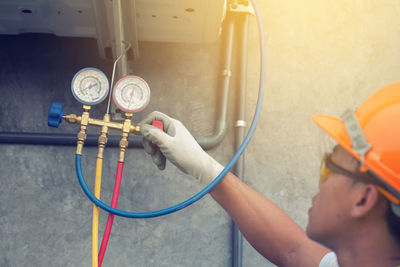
{"points": [[355, 217]]}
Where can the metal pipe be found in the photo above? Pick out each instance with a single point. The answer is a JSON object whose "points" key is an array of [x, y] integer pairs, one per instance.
{"points": [[211, 141], [102, 31], [238, 170], [119, 35], [63, 139]]}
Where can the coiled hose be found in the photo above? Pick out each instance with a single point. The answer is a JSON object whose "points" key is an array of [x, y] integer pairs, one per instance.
{"points": [[209, 187]]}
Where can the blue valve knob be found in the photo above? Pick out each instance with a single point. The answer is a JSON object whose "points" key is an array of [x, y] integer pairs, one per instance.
{"points": [[55, 115]]}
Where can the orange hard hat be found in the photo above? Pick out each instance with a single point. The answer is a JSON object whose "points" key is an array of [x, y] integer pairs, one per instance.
{"points": [[376, 142]]}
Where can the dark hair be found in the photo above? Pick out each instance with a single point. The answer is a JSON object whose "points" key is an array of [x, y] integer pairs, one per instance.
{"points": [[393, 222]]}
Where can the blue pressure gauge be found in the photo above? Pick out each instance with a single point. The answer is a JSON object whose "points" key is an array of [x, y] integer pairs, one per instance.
{"points": [[90, 86]]}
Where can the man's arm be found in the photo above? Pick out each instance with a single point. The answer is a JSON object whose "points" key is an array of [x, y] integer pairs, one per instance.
{"points": [[267, 227]]}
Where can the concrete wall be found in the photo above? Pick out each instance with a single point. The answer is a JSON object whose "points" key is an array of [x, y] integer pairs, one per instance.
{"points": [[322, 57]]}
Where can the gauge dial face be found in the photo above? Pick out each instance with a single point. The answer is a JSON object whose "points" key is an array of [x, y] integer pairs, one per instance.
{"points": [[90, 86], [131, 93]]}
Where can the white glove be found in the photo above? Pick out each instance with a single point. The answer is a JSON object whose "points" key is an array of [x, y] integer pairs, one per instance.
{"points": [[177, 145]]}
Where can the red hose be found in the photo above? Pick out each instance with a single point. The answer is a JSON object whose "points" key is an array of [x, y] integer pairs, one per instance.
{"points": [[110, 219]]}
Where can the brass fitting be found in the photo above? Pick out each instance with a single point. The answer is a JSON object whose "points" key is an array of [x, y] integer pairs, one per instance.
{"points": [[85, 115], [127, 127], [103, 139], [82, 133], [72, 118], [135, 129], [103, 136], [82, 136], [123, 143]]}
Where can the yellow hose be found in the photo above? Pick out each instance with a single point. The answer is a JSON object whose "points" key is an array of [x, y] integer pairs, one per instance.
{"points": [[95, 223]]}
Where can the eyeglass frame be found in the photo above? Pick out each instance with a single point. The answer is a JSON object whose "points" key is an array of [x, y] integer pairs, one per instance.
{"points": [[329, 164], [363, 177]]}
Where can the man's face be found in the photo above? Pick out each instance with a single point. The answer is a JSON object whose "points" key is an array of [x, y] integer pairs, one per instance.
{"points": [[329, 215]]}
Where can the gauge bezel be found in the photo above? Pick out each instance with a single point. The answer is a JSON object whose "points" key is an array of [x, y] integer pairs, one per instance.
{"points": [[115, 90], [80, 99]]}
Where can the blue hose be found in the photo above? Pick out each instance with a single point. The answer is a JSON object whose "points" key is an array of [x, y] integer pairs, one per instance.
{"points": [[209, 187]]}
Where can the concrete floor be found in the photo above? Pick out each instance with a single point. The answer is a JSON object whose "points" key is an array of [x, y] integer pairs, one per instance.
{"points": [[323, 57]]}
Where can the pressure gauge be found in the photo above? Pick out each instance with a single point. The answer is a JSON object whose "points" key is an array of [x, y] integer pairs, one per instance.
{"points": [[131, 93], [90, 86]]}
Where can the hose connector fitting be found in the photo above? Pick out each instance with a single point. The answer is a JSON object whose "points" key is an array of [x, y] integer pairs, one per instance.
{"points": [[82, 133], [72, 118], [103, 136], [123, 143]]}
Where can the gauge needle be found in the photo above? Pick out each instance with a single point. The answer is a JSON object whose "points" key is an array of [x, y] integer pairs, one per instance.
{"points": [[130, 100], [90, 86]]}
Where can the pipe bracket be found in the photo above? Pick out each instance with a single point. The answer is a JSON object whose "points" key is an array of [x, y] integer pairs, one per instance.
{"points": [[226, 73], [240, 124]]}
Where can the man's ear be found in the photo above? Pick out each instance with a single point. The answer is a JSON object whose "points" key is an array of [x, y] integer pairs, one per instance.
{"points": [[365, 198]]}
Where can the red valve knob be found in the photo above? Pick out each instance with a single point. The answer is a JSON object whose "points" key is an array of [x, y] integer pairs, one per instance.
{"points": [[159, 125]]}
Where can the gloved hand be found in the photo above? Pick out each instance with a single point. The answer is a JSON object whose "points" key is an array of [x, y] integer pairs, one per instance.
{"points": [[179, 147]]}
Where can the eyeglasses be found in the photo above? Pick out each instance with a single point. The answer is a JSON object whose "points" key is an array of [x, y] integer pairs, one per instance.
{"points": [[328, 166]]}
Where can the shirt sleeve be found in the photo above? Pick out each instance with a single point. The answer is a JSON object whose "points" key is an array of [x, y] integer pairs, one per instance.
{"points": [[329, 260]]}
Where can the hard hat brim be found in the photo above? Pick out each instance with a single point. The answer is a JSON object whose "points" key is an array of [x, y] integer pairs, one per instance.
{"points": [[336, 129]]}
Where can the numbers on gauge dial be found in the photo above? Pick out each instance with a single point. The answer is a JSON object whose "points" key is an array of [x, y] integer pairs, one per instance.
{"points": [[90, 86], [131, 93]]}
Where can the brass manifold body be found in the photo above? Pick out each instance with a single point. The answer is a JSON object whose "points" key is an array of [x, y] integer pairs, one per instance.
{"points": [[126, 127]]}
